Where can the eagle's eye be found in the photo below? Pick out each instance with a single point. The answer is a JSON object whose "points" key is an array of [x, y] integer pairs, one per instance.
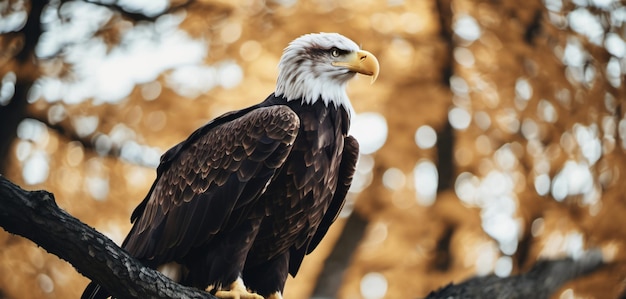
{"points": [[334, 52]]}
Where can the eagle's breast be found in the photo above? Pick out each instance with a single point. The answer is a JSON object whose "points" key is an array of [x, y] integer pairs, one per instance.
{"points": [[296, 201]]}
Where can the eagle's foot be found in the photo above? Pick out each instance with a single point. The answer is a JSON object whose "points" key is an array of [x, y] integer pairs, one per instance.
{"points": [[276, 295], [237, 294], [237, 290]]}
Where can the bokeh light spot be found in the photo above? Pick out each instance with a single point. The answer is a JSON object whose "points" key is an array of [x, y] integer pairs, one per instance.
{"points": [[464, 56], [546, 111], [151, 90], [363, 175], [97, 187], [584, 22], [394, 179], [193, 80], [381, 22], [7, 88], [85, 125], [426, 180], [75, 154], [483, 145], [504, 266], [537, 227], [250, 50], [466, 27], [575, 178], [45, 283], [33, 130], [425, 137], [482, 120], [459, 86], [229, 74], [542, 184], [231, 32], [459, 118], [36, 168], [615, 45], [589, 142], [505, 157], [508, 121], [373, 285], [523, 89], [370, 129]]}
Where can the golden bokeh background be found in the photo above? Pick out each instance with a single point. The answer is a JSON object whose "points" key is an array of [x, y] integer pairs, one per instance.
{"points": [[494, 135]]}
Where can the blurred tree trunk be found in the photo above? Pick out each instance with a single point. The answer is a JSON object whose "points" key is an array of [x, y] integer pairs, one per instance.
{"points": [[19, 59]]}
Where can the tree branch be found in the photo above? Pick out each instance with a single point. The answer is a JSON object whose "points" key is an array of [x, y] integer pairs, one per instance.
{"points": [[35, 215], [541, 281], [135, 15]]}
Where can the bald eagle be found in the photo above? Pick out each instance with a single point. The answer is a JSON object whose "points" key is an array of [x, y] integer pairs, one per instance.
{"points": [[237, 205]]}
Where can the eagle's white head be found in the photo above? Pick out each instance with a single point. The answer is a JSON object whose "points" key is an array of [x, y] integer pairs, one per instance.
{"points": [[317, 66]]}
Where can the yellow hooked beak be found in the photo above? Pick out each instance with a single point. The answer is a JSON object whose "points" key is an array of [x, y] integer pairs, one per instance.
{"points": [[362, 62]]}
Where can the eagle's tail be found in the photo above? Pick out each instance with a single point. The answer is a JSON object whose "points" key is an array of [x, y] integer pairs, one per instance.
{"points": [[94, 291]]}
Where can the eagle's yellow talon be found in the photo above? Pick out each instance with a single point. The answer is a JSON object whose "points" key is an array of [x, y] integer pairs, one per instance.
{"points": [[237, 294], [237, 290]]}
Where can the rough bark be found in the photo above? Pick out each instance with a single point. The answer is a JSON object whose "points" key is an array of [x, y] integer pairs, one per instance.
{"points": [[541, 281], [36, 216]]}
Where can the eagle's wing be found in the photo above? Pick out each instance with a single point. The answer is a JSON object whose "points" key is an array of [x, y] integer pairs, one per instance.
{"points": [[207, 179], [347, 168], [346, 173]]}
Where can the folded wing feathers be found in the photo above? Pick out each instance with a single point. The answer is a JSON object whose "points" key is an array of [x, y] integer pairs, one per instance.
{"points": [[204, 182]]}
